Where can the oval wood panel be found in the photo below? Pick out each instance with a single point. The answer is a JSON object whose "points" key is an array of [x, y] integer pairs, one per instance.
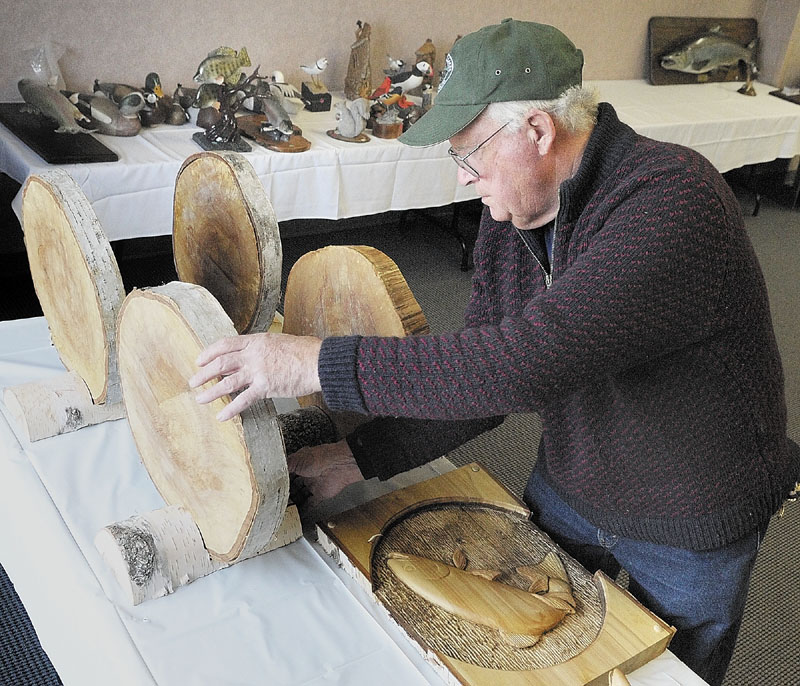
{"points": [[225, 237], [76, 279], [341, 290], [231, 476]]}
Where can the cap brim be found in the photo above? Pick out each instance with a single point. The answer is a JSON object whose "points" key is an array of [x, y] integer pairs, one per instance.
{"points": [[440, 123]]}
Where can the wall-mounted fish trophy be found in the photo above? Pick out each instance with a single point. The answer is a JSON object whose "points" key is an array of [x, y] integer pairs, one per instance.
{"points": [[711, 51], [685, 50]]}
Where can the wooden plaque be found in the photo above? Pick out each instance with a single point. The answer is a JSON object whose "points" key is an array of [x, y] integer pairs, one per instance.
{"points": [[666, 34], [226, 238], [341, 290], [465, 520], [76, 279], [230, 476], [38, 132], [250, 126]]}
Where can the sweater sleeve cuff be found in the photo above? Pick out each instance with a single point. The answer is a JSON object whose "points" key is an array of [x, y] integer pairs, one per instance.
{"points": [[338, 374]]}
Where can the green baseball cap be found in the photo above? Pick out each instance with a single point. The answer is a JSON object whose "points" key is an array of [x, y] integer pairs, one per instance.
{"points": [[512, 60]]}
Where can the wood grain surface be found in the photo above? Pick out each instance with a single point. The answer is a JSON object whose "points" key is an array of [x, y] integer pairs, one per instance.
{"points": [[76, 279], [231, 476], [467, 510], [341, 290], [226, 237]]}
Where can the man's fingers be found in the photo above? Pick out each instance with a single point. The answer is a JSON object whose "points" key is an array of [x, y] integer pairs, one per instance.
{"points": [[222, 346], [240, 403], [230, 384]]}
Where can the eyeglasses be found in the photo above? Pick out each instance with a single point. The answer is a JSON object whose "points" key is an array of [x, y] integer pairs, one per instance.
{"points": [[461, 161]]}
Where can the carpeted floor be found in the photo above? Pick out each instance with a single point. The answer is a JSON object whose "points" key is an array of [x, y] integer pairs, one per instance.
{"points": [[768, 650]]}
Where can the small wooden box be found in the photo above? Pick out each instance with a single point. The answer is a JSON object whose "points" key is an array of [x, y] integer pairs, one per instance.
{"points": [[315, 100], [469, 511]]}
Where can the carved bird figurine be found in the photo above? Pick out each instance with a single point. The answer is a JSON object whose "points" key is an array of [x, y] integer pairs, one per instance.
{"points": [[112, 90], [315, 69], [394, 65], [108, 117], [292, 98], [401, 83]]}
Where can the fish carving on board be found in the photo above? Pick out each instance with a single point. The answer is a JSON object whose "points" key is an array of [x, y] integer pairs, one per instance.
{"points": [[520, 617], [223, 65], [712, 51]]}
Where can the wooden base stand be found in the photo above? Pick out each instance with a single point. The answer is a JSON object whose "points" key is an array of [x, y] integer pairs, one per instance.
{"points": [[56, 406], [463, 530], [154, 554]]}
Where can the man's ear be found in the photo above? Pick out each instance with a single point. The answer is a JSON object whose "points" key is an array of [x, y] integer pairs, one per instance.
{"points": [[541, 130]]}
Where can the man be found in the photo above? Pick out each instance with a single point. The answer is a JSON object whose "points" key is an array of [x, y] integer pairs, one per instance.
{"points": [[616, 294]]}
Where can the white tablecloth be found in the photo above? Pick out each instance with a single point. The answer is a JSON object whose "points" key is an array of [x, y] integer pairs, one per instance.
{"points": [[289, 617], [334, 179], [730, 129]]}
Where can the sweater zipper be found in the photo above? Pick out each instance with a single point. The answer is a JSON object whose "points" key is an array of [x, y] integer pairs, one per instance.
{"points": [[548, 276]]}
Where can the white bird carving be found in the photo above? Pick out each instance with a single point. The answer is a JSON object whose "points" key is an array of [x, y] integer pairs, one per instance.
{"points": [[314, 70], [394, 65]]}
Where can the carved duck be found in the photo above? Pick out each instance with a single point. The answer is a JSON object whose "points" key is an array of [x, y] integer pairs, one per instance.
{"points": [[156, 110], [108, 117]]}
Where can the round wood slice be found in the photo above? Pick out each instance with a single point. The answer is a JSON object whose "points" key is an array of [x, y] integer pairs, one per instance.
{"points": [[76, 279], [225, 237], [341, 290], [231, 476]]}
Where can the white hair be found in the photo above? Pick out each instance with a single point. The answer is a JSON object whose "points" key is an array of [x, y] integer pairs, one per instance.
{"points": [[575, 110]]}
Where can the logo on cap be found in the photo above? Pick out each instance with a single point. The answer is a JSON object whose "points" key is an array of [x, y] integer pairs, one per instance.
{"points": [[448, 71]]}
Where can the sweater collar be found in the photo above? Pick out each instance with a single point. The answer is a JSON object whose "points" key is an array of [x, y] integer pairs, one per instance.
{"points": [[607, 146]]}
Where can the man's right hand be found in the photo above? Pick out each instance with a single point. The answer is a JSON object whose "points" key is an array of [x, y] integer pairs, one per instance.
{"points": [[323, 471]]}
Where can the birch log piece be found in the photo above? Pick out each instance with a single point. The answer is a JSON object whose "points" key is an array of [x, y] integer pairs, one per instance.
{"points": [[230, 476], [226, 238], [156, 553], [80, 291], [342, 290]]}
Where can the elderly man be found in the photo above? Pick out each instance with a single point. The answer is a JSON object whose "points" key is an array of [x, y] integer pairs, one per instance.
{"points": [[616, 294]]}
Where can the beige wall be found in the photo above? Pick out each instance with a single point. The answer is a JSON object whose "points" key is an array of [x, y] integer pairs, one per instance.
{"points": [[123, 40]]}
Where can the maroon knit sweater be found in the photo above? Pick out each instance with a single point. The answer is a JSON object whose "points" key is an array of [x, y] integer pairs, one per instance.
{"points": [[651, 358]]}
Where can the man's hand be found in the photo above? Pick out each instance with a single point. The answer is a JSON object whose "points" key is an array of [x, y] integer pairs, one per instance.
{"points": [[260, 365], [322, 470]]}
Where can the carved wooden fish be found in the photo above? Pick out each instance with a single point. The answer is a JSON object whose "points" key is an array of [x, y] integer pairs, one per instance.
{"points": [[55, 105], [223, 65], [521, 617]]}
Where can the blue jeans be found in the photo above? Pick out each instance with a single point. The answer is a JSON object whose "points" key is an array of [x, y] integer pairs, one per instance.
{"points": [[700, 593]]}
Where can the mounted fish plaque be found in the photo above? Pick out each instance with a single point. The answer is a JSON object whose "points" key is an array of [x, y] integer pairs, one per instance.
{"points": [[701, 50], [483, 594]]}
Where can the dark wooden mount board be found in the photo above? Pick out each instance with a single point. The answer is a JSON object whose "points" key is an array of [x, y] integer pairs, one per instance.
{"points": [[38, 133], [665, 34]]}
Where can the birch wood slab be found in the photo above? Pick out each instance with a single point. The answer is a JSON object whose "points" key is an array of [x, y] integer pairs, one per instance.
{"points": [[230, 476], [342, 290], [466, 519], [226, 238], [76, 278], [80, 291]]}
